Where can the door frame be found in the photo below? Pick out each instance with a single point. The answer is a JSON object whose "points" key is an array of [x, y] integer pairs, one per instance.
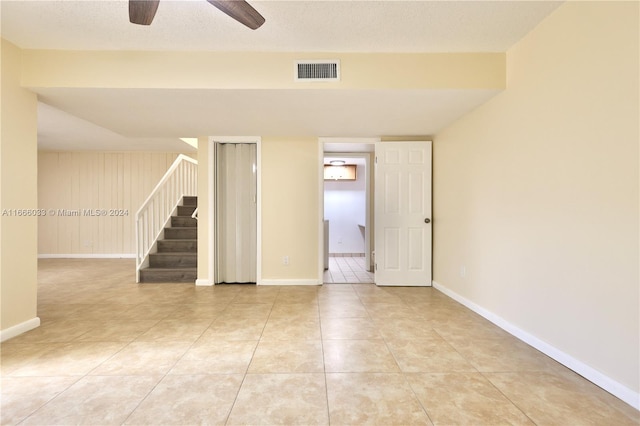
{"points": [[211, 219], [353, 148]]}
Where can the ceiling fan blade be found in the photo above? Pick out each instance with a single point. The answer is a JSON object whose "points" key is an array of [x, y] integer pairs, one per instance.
{"points": [[241, 11], [141, 12]]}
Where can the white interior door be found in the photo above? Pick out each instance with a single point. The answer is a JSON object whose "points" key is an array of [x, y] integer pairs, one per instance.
{"points": [[403, 213]]}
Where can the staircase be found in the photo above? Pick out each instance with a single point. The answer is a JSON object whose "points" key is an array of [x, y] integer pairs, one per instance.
{"points": [[176, 259]]}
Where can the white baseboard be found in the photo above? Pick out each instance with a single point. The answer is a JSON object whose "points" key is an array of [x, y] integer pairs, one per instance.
{"points": [[88, 256], [289, 282], [605, 382], [204, 282], [18, 329]]}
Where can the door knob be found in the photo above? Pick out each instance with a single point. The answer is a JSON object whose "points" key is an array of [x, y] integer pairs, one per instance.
{"points": [[427, 220]]}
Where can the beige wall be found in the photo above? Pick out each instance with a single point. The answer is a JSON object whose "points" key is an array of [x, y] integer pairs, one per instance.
{"points": [[290, 208], [77, 181], [18, 174], [122, 69], [536, 192], [204, 252]]}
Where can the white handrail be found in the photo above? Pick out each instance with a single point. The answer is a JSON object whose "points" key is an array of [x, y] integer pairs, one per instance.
{"points": [[181, 179]]}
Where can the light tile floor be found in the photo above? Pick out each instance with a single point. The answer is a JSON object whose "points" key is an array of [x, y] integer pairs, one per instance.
{"points": [[347, 270], [113, 352]]}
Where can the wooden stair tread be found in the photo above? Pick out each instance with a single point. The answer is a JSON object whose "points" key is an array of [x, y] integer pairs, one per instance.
{"points": [[175, 253], [169, 265], [183, 268]]}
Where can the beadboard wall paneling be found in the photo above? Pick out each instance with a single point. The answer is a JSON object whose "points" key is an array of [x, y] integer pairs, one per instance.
{"points": [[74, 185]]}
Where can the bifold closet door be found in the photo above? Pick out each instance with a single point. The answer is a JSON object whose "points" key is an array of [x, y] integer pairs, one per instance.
{"points": [[236, 219]]}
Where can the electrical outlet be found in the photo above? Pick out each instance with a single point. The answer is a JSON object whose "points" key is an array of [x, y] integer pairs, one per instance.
{"points": [[285, 260], [463, 271]]}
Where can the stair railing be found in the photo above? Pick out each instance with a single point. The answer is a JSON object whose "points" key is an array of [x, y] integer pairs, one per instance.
{"points": [[181, 179]]}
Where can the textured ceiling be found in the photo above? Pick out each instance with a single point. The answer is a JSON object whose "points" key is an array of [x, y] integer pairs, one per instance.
{"points": [[300, 26], [326, 26]]}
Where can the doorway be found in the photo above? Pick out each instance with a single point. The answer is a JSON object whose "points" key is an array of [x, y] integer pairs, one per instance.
{"points": [[399, 223], [236, 207], [346, 207], [345, 218]]}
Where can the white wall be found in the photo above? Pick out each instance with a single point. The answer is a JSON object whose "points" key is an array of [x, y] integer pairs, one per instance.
{"points": [[345, 209], [536, 193]]}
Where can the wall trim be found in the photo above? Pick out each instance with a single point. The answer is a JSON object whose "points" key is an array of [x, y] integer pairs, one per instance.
{"points": [[204, 282], [88, 256], [605, 382], [18, 329], [303, 281]]}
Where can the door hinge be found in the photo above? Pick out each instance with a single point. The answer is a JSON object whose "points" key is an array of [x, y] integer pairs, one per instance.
{"points": [[376, 266]]}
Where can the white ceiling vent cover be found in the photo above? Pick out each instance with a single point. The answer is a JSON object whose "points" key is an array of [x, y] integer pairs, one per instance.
{"points": [[317, 70]]}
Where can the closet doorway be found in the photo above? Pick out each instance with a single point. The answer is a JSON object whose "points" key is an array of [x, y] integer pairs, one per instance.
{"points": [[236, 213]]}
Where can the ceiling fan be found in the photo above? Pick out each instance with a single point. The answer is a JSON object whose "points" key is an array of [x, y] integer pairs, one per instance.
{"points": [[142, 11]]}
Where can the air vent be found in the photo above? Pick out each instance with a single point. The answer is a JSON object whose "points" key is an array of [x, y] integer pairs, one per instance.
{"points": [[317, 70]]}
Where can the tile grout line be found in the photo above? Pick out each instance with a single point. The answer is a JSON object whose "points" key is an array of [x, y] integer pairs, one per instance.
{"points": [[246, 372], [50, 399], [506, 397], [403, 374], [425, 321], [79, 377], [324, 364], [166, 373]]}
